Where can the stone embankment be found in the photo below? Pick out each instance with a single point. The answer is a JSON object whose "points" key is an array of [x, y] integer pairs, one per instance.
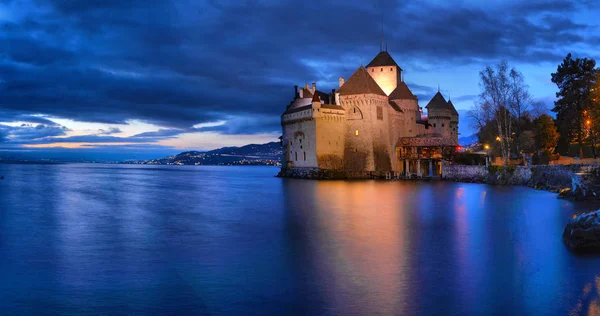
{"points": [[327, 174], [572, 181], [582, 234]]}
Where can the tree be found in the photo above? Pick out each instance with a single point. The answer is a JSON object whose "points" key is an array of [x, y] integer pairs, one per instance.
{"points": [[592, 117], [504, 98], [575, 78], [546, 134], [538, 108]]}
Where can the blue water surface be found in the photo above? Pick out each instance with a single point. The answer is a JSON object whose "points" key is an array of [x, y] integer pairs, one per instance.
{"points": [[129, 239]]}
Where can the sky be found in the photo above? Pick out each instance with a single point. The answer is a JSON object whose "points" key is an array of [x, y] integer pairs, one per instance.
{"points": [[142, 79]]}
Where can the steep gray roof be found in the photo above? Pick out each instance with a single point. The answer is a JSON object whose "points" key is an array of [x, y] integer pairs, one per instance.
{"points": [[360, 83], [402, 92], [452, 108], [438, 102], [383, 59]]}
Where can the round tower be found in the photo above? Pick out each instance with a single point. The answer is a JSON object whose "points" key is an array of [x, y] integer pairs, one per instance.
{"points": [[439, 115]]}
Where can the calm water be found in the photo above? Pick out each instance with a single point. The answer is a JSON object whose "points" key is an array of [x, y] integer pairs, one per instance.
{"points": [[81, 239]]}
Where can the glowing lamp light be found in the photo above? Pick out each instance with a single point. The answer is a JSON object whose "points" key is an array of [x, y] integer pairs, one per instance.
{"points": [[588, 122], [497, 138], [486, 146]]}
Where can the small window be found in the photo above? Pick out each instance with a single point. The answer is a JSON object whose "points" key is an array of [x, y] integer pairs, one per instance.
{"points": [[300, 140], [372, 69], [304, 156], [434, 125], [354, 110], [392, 69], [381, 69], [442, 124], [356, 132]]}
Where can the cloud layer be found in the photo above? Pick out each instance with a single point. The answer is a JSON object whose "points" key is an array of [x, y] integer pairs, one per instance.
{"points": [[177, 64]]}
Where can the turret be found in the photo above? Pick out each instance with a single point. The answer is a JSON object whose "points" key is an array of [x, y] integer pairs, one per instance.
{"points": [[316, 101], [439, 114]]}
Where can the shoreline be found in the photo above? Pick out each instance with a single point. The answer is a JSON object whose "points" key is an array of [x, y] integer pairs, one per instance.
{"points": [[577, 182]]}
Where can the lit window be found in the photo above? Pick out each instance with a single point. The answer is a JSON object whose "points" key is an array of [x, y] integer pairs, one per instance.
{"points": [[356, 132]]}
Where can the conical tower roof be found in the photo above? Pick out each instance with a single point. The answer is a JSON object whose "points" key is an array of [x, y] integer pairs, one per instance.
{"points": [[316, 98], [437, 102], [454, 112]]}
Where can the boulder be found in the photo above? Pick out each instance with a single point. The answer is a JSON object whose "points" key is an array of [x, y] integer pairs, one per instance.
{"points": [[582, 233]]}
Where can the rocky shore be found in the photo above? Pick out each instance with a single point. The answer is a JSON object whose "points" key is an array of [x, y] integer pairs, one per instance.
{"points": [[571, 181], [582, 234]]}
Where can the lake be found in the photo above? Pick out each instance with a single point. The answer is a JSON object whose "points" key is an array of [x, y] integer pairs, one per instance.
{"points": [[131, 239]]}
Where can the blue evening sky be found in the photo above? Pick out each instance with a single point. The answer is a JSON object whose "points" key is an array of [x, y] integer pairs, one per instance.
{"points": [[158, 77]]}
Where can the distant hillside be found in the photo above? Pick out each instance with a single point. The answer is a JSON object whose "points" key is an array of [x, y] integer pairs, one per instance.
{"points": [[265, 154], [468, 140]]}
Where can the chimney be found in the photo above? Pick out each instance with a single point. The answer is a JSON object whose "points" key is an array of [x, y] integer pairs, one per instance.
{"points": [[332, 96], [341, 81], [314, 86], [306, 86], [295, 91]]}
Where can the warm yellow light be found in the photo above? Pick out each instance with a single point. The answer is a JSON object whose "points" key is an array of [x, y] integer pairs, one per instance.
{"points": [[588, 122], [486, 146], [498, 138], [356, 132]]}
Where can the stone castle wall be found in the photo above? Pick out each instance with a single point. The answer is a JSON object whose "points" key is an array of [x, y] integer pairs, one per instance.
{"points": [[330, 131], [299, 142], [358, 153]]}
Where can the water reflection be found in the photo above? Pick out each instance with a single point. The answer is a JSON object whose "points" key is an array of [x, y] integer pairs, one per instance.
{"points": [[137, 239], [589, 301]]}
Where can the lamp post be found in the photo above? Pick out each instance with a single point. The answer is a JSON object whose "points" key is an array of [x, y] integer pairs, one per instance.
{"points": [[487, 154]]}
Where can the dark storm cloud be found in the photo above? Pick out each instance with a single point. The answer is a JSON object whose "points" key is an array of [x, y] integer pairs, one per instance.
{"points": [[180, 63], [27, 133]]}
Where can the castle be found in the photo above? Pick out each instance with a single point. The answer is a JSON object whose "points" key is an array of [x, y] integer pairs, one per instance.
{"points": [[372, 124]]}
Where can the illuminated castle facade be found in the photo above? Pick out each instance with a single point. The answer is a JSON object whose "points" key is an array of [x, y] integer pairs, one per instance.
{"points": [[371, 124]]}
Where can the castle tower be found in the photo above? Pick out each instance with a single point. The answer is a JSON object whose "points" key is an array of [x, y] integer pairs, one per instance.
{"points": [[453, 121], [386, 73], [367, 137], [439, 114]]}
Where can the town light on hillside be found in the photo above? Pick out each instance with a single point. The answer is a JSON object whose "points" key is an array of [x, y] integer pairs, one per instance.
{"points": [[486, 147]]}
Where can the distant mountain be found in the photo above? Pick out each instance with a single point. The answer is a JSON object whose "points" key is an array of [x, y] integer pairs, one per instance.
{"points": [[253, 154], [468, 140]]}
